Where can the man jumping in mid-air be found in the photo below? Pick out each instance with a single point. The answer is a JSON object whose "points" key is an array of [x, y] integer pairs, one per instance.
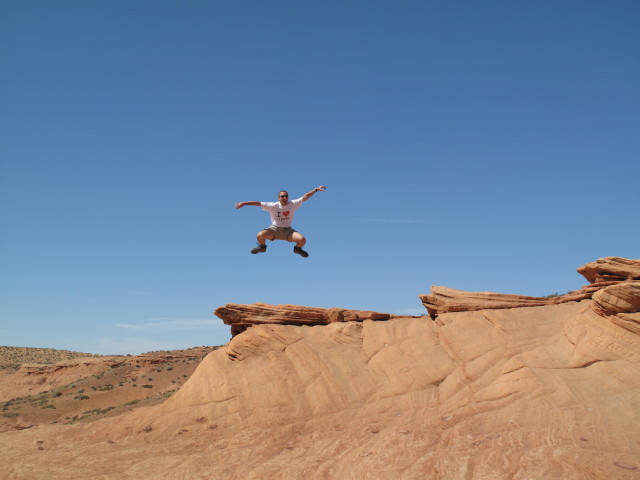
{"points": [[281, 217]]}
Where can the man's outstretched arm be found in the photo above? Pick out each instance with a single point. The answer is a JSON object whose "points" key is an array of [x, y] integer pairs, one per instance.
{"points": [[244, 204], [310, 194]]}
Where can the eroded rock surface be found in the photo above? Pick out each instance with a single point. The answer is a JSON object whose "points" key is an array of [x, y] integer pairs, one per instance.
{"points": [[512, 390], [444, 300], [609, 269], [540, 392], [603, 273], [240, 317], [620, 304]]}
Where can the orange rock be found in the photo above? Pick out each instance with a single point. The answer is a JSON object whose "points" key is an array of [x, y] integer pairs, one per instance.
{"points": [[543, 392], [444, 299], [620, 298], [611, 269], [241, 317], [514, 387], [602, 273], [620, 304]]}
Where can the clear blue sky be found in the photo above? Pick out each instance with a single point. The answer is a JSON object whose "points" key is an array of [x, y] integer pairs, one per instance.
{"points": [[484, 146]]}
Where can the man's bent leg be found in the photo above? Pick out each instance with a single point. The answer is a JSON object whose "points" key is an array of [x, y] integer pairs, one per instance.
{"points": [[300, 241], [262, 236], [298, 238]]}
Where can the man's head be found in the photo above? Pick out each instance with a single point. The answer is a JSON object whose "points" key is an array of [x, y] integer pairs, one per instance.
{"points": [[283, 197]]}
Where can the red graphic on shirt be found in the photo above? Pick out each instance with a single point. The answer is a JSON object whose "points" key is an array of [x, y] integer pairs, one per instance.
{"points": [[286, 214]]}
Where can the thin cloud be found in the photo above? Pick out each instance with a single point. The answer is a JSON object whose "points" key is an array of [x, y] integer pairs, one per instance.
{"points": [[396, 220], [172, 324], [124, 346]]}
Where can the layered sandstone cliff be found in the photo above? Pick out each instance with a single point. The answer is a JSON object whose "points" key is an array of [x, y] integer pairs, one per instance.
{"points": [[613, 284], [544, 391], [240, 317]]}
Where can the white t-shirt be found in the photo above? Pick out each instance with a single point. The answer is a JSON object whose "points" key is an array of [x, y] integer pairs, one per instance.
{"points": [[281, 216]]}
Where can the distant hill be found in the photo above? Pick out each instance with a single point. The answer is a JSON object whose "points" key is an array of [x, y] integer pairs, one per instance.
{"points": [[15, 356], [43, 386]]}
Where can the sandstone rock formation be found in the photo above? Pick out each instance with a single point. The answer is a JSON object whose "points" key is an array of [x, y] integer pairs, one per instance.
{"points": [[620, 298], [621, 304], [611, 269], [241, 317], [602, 273], [444, 300], [543, 392], [533, 392]]}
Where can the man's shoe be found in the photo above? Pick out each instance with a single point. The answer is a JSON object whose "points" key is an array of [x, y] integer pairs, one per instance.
{"points": [[300, 252], [259, 249]]}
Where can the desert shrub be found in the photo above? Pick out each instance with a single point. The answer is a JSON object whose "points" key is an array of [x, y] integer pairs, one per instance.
{"points": [[556, 294], [147, 386]]}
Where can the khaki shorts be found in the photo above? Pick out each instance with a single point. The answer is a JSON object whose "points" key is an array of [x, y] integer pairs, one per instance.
{"points": [[281, 233]]}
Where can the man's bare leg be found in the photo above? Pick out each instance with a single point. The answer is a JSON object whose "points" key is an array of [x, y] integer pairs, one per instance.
{"points": [[262, 237], [300, 240]]}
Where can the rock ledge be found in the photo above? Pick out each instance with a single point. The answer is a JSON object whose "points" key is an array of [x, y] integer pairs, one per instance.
{"points": [[240, 316], [614, 289]]}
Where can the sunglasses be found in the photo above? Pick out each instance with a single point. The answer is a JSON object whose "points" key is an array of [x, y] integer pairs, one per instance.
{"points": [[284, 196]]}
